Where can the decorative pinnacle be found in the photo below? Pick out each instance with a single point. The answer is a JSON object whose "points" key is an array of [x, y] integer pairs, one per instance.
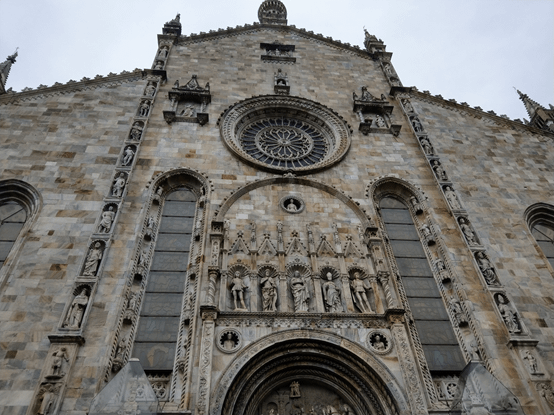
{"points": [[530, 105]]}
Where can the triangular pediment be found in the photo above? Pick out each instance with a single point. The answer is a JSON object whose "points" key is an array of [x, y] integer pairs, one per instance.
{"points": [[239, 247], [325, 248]]}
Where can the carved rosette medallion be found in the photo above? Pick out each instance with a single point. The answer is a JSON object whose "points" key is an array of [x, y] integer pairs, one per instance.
{"points": [[283, 134], [229, 341], [379, 342], [292, 204]]}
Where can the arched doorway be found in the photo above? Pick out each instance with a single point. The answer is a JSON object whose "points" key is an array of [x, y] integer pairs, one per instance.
{"points": [[299, 372]]}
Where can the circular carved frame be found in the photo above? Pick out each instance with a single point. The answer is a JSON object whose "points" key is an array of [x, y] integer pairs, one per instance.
{"points": [[306, 120]]}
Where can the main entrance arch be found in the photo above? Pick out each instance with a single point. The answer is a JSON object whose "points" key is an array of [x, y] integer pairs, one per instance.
{"points": [[296, 372]]}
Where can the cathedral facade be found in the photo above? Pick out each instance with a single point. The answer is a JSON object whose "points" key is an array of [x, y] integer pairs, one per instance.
{"points": [[268, 222]]}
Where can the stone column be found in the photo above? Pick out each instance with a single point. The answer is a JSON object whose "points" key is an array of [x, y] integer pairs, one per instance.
{"points": [[205, 367], [347, 294], [379, 308], [213, 273]]}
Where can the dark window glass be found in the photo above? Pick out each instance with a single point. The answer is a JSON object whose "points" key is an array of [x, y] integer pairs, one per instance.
{"points": [[544, 235], [12, 219], [156, 338], [435, 331]]}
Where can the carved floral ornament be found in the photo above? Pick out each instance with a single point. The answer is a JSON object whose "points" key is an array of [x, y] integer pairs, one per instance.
{"points": [[281, 134]]}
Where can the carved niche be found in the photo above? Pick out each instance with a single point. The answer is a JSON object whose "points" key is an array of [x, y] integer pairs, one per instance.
{"points": [[188, 103], [374, 113], [300, 285], [278, 53]]}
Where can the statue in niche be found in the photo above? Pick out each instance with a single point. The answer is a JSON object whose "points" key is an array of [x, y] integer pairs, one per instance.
{"points": [[162, 54], [418, 128], [452, 198], [331, 295], [188, 111], [439, 171], [132, 302], [427, 235], [58, 359], [378, 343], [407, 105], [389, 70], [547, 393], [121, 348], [107, 220], [229, 343], [136, 131], [150, 224], [468, 232], [159, 66], [531, 362], [143, 258], [416, 205], [366, 95], [76, 310], [486, 269], [300, 293], [119, 185], [269, 292], [150, 89], [128, 155], [144, 108], [49, 393], [456, 308], [359, 290], [93, 260], [294, 390], [427, 147], [291, 207], [238, 287], [509, 315], [380, 122]]}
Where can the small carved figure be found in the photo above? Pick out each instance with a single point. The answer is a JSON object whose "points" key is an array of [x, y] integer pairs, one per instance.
{"points": [[144, 108], [475, 354], [380, 122], [295, 390], [162, 54], [531, 362], [486, 269], [456, 308], [136, 131], [127, 156], [188, 111], [107, 220], [418, 128], [93, 260], [132, 302], [416, 205], [76, 310], [547, 393], [378, 344], [237, 289], [159, 66], [407, 105], [121, 348], [118, 185], [366, 95], [427, 148], [360, 296], [58, 359], [150, 223], [269, 292], [331, 295], [49, 394], [427, 235], [176, 84], [229, 343], [300, 292], [389, 69], [509, 316], [291, 207], [150, 89], [439, 171], [452, 198], [468, 232], [143, 258]]}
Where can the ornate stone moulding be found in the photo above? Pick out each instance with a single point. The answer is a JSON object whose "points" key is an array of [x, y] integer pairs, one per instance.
{"points": [[283, 134]]}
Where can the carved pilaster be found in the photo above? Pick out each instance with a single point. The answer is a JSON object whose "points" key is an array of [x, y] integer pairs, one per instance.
{"points": [[384, 281], [206, 349], [213, 273], [379, 308]]}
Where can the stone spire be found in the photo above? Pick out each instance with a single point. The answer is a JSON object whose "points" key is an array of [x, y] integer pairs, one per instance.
{"points": [[173, 27], [5, 71], [272, 12], [539, 116]]}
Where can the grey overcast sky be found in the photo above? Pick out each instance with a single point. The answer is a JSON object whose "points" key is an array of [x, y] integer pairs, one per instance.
{"points": [[470, 50]]}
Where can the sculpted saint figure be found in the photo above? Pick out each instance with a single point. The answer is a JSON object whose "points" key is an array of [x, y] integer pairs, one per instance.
{"points": [[136, 131], [486, 269], [427, 148], [331, 295], [359, 291], [269, 292], [49, 395], [294, 390], [229, 343], [107, 220], [119, 185], [417, 125], [144, 108], [509, 316], [76, 310], [380, 122], [468, 233], [132, 303], [57, 361], [163, 53], [93, 260], [452, 198], [150, 89], [439, 171], [159, 65], [416, 205], [237, 289], [188, 111], [378, 343], [531, 362], [291, 207], [127, 156], [407, 105], [300, 292], [366, 96], [457, 310], [121, 347]]}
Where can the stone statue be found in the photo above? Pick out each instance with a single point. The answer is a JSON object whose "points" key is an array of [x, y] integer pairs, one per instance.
{"points": [[119, 185], [49, 394], [418, 128], [359, 291], [159, 66], [300, 293], [294, 390], [291, 207], [452, 198], [468, 232], [136, 131], [188, 111], [150, 89], [121, 348], [380, 122], [76, 310], [407, 105], [269, 292], [531, 362], [416, 205], [378, 344], [427, 148], [509, 316], [366, 96], [389, 70], [128, 155], [59, 357], [229, 343], [162, 54], [486, 269], [150, 223], [132, 302], [331, 295], [439, 171], [547, 393], [456, 308], [176, 84], [237, 289], [93, 260], [144, 108], [143, 258], [107, 220]]}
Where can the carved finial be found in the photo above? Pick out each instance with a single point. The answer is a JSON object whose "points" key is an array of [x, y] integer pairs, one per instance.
{"points": [[5, 70], [272, 12]]}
